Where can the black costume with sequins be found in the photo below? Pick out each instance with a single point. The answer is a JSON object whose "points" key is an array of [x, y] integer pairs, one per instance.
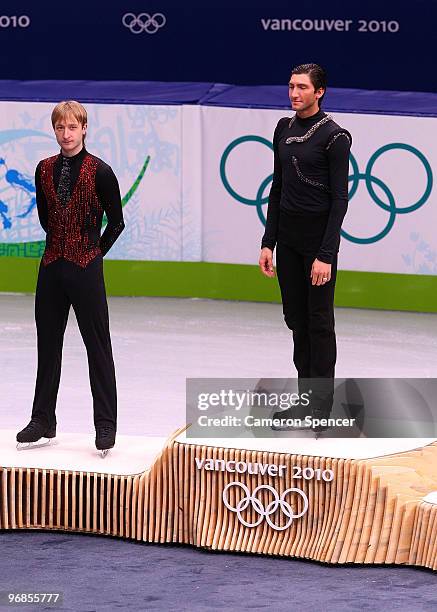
{"points": [[307, 203], [311, 162], [72, 194], [71, 214]]}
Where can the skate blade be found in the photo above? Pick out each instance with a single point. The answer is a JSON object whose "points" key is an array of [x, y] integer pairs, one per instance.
{"points": [[319, 434], [290, 428], [104, 452], [28, 445]]}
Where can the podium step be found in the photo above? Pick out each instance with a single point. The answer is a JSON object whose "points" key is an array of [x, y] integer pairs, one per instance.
{"points": [[336, 502]]}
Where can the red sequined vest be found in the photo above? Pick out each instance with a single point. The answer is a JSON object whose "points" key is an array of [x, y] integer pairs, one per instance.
{"points": [[74, 229]]}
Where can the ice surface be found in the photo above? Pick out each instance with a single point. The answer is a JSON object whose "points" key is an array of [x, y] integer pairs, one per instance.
{"points": [[158, 342]]}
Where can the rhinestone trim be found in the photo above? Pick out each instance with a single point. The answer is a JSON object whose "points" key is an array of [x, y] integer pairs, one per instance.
{"points": [[307, 180], [74, 228], [310, 132], [64, 187], [331, 142]]}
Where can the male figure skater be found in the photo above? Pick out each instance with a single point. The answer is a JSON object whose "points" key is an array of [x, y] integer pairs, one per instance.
{"points": [[307, 203], [73, 190]]}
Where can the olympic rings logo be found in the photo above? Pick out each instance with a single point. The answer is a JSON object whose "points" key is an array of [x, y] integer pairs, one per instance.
{"points": [[260, 198], [370, 180], [267, 511], [144, 22]]}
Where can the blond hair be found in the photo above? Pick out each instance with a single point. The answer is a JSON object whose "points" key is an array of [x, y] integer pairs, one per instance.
{"points": [[69, 107]]}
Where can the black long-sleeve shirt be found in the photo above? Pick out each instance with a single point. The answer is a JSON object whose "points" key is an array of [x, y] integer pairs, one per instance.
{"points": [[310, 176], [107, 190]]}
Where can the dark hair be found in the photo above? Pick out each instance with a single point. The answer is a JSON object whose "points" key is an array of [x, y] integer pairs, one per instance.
{"points": [[317, 76]]}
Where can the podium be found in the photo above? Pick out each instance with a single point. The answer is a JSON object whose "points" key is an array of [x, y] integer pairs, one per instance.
{"points": [[332, 500]]}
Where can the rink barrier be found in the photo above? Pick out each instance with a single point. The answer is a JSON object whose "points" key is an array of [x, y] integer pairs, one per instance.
{"points": [[372, 512], [407, 292]]}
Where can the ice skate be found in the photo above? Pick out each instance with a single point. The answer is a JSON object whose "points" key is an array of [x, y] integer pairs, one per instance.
{"points": [[105, 440], [35, 435], [319, 430]]}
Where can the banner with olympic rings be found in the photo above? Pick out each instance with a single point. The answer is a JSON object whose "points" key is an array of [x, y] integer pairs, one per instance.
{"points": [[195, 182], [389, 46], [392, 215]]}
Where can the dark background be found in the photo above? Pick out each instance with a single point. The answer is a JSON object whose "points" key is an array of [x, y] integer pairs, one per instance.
{"points": [[219, 42]]}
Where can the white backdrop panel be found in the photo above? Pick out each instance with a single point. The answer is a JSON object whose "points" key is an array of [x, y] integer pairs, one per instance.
{"points": [[390, 224], [123, 136]]}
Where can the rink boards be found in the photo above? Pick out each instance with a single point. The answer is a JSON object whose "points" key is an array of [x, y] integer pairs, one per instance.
{"points": [[335, 509]]}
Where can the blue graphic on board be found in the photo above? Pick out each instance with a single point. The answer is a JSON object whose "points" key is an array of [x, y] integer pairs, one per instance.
{"points": [[17, 186], [142, 144], [21, 182], [422, 258]]}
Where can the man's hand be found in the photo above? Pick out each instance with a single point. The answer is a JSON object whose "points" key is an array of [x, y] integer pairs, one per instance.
{"points": [[320, 273], [266, 262]]}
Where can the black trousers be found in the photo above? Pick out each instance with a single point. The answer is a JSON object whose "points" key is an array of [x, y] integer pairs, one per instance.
{"points": [[308, 309], [60, 285]]}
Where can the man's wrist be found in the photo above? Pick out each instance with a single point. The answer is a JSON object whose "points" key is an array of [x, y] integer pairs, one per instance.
{"points": [[327, 259], [267, 246]]}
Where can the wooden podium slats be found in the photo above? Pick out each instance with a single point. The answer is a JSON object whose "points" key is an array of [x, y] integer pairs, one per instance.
{"points": [[371, 512]]}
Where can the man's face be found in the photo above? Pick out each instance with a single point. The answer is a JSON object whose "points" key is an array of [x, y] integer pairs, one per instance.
{"points": [[69, 134], [302, 93]]}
